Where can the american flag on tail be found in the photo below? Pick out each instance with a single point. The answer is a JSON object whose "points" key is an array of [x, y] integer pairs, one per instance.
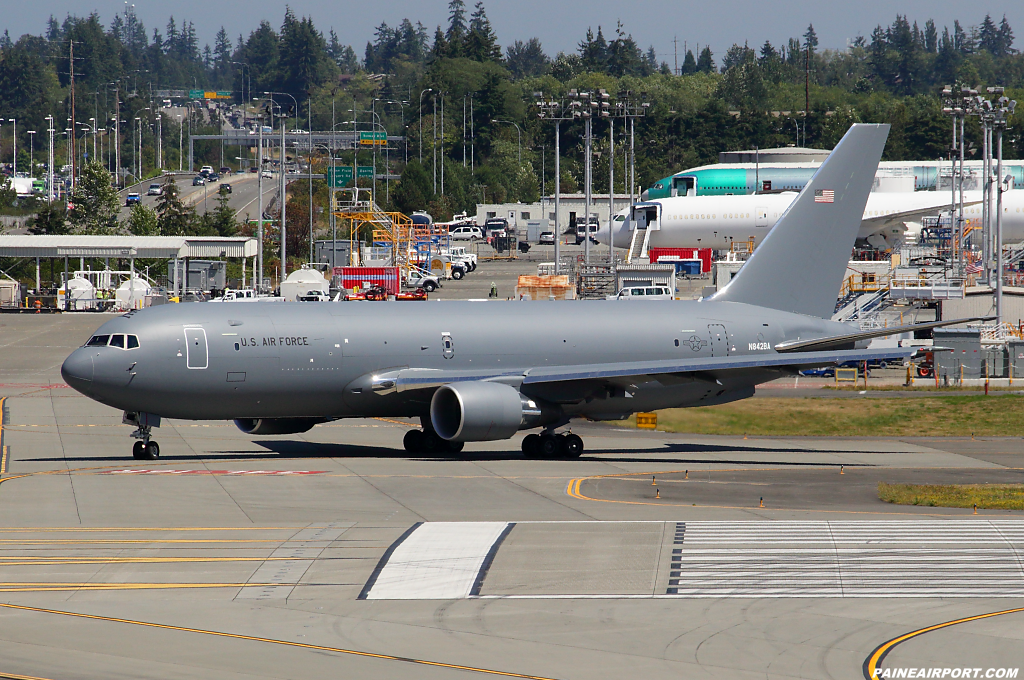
{"points": [[824, 196]]}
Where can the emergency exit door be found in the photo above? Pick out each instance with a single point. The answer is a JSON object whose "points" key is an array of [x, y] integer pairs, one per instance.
{"points": [[719, 340], [197, 354]]}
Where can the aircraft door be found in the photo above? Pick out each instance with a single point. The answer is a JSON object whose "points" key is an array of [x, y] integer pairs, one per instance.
{"points": [[719, 340], [197, 355], [684, 186], [761, 218]]}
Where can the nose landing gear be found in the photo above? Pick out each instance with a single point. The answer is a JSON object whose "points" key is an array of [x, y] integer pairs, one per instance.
{"points": [[551, 445], [145, 449]]}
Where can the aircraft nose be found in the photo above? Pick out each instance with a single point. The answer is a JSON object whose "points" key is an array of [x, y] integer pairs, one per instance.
{"points": [[77, 370]]}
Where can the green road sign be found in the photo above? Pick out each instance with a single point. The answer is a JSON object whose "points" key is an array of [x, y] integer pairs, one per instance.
{"points": [[373, 138], [340, 176], [196, 94]]}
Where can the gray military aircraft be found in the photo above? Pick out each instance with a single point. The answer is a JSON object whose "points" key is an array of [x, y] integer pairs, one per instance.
{"points": [[477, 371]]}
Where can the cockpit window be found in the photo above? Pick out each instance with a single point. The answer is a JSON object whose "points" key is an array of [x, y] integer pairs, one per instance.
{"points": [[97, 341], [133, 341], [117, 341]]}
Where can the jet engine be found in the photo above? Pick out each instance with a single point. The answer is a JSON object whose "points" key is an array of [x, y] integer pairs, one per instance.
{"points": [[276, 425], [483, 411]]}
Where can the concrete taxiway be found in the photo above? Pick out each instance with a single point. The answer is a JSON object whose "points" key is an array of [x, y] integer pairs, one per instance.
{"points": [[336, 554]]}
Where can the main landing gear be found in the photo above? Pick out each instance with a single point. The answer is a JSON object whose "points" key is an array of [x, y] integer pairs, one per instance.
{"points": [[146, 448], [427, 441], [551, 445]]}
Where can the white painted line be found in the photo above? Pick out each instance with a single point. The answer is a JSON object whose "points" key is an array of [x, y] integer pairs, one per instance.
{"points": [[438, 561]]}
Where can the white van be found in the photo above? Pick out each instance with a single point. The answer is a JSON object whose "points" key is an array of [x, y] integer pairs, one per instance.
{"points": [[466, 234], [645, 293]]}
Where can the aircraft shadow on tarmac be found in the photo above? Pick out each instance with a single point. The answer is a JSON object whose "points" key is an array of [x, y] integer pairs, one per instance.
{"points": [[279, 449]]}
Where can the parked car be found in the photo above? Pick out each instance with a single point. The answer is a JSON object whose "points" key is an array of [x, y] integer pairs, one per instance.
{"points": [[466, 234], [225, 188], [830, 371], [645, 293], [315, 296], [133, 199], [547, 238], [198, 181], [155, 190]]}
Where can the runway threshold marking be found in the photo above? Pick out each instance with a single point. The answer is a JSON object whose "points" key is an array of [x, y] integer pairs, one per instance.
{"points": [[874, 660], [273, 641]]}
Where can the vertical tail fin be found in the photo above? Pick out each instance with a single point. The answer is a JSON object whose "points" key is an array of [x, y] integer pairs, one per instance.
{"points": [[799, 266]]}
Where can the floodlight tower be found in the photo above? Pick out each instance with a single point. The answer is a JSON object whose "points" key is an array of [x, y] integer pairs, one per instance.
{"points": [[557, 111]]}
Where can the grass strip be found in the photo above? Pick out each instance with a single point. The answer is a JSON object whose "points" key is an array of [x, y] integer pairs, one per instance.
{"points": [[922, 416], [988, 496]]}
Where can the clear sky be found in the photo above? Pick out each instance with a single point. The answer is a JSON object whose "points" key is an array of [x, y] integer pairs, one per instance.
{"points": [[559, 25]]}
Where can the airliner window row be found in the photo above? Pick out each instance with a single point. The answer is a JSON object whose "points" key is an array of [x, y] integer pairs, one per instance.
{"points": [[119, 340]]}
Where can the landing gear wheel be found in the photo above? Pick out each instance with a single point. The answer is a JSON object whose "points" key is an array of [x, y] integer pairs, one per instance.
{"points": [[550, 446], [413, 441], [153, 450], [432, 443], [531, 446], [138, 450], [456, 447], [573, 446]]}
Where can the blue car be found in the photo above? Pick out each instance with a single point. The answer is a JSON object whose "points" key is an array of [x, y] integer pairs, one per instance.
{"points": [[830, 371]]}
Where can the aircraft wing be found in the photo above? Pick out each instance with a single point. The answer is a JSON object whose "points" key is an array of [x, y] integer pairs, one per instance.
{"points": [[405, 379], [912, 215]]}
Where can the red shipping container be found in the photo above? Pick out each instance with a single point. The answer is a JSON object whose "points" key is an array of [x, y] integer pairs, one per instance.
{"points": [[702, 254], [364, 277]]}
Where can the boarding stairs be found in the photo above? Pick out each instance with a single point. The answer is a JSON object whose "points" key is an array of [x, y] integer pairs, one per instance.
{"points": [[638, 245]]}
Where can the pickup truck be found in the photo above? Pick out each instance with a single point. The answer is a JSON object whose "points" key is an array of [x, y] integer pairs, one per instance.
{"points": [[422, 279]]}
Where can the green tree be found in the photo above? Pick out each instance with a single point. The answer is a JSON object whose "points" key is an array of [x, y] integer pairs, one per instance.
{"points": [[95, 203], [173, 216], [51, 219], [142, 221], [223, 219], [414, 190], [527, 59]]}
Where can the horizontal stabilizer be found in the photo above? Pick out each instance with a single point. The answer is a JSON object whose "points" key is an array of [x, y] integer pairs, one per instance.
{"points": [[839, 341]]}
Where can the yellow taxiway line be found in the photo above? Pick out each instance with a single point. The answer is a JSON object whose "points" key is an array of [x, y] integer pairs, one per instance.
{"points": [[873, 662], [272, 641]]}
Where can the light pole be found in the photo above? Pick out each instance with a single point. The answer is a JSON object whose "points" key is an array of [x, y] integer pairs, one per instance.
{"points": [[31, 152], [429, 89], [49, 163], [1003, 109], [557, 111], [955, 105], [243, 98], [632, 105], [284, 184], [14, 141], [519, 132], [138, 149], [93, 138], [181, 128]]}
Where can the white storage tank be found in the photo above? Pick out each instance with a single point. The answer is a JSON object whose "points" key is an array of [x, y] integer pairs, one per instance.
{"points": [[131, 294], [80, 293], [300, 282]]}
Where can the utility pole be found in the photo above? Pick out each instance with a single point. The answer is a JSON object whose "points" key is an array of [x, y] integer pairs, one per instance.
{"points": [[160, 141], [675, 55], [434, 145], [117, 135]]}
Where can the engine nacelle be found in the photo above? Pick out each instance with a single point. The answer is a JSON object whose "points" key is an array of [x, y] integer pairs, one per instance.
{"points": [[276, 425], [482, 411]]}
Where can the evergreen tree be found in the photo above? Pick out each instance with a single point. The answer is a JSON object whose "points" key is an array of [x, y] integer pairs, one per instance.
{"points": [[526, 59], [456, 34], [594, 51], [1006, 38], [689, 64], [989, 37], [52, 218], [481, 43], [222, 220], [173, 216], [810, 39], [706, 64], [931, 37], [95, 204]]}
